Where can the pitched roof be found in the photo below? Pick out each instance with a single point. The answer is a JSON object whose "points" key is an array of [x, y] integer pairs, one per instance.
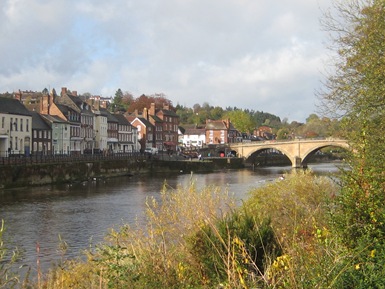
{"points": [[65, 109], [53, 118], [122, 119], [156, 118], [168, 112], [144, 121], [104, 112], [38, 122], [195, 131], [13, 106], [111, 117], [216, 124]]}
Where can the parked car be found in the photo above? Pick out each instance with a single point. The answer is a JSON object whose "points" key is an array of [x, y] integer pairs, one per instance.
{"points": [[151, 151]]}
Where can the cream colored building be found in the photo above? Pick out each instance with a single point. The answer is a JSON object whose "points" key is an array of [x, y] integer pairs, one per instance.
{"points": [[15, 128]]}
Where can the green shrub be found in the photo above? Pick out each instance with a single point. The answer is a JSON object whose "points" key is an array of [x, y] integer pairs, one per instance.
{"points": [[233, 250], [299, 211]]}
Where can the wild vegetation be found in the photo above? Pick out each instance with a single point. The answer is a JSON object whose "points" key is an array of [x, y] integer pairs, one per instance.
{"points": [[356, 90], [302, 232], [198, 238]]}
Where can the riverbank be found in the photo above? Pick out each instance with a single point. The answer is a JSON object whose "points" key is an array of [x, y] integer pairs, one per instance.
{"points": [[23, 175], [208, 243]]}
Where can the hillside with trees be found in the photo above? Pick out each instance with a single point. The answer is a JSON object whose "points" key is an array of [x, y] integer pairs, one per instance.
{"points": [[244, 120]]}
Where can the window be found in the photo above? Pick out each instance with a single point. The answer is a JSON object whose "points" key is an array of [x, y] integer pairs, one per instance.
{"points": [[2, 121], [27, 125], [21, 124]]}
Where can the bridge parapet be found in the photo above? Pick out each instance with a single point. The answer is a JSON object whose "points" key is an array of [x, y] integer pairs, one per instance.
{"points": [[296, 150]]}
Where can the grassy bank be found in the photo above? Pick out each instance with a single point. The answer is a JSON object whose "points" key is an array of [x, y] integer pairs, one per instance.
{"points": [[281, 237]]}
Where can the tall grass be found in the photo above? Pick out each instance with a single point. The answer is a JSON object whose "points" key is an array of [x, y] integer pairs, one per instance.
{"points": [[198, 238], [299, 208], [8, 277]]}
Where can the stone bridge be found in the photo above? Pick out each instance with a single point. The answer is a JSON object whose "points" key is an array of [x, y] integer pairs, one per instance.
{"points": [[296, 150]]}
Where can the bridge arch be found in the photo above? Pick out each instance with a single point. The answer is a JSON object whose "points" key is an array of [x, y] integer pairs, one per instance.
{"points": [[308, 154], [251, 153], [257, 156], [296, 150]]}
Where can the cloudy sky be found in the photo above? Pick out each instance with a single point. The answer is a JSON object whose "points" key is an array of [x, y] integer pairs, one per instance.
{"points": [[258, 54]]}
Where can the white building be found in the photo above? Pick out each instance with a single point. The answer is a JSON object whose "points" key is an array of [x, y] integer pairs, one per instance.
{"points": [[194, 137], [101, 129], [15, 128]]}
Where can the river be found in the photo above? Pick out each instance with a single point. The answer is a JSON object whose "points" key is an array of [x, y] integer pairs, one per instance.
{"points": [[81, 214]]}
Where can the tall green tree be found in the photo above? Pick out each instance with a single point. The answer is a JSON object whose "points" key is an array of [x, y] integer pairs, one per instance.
{"points": [[356, 90], [241, 120], [117, 102]]}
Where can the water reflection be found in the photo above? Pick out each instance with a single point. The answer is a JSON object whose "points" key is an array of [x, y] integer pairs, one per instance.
{"points": [[83, 213]]}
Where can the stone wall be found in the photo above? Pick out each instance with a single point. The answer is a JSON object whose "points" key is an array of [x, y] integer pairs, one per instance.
{"points": [[12, 176]]}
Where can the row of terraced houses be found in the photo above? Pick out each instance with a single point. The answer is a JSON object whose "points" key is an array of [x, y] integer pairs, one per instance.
{"points": [[49, 123]]}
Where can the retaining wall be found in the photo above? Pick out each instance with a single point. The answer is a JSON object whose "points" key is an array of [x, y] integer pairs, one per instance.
{"points": [[13, 176]]}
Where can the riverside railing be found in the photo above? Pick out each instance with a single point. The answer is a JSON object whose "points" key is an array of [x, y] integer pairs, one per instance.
{"points": [[49, 159]]}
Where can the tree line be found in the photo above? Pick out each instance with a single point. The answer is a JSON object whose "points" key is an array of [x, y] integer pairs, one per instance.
{"points": [[244, 120]]}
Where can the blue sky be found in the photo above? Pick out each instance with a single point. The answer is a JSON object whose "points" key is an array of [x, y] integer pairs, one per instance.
{"points": [[253, 54]]}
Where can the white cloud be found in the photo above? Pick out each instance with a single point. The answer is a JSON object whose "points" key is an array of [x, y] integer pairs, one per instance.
{"points": [[247, 53]]}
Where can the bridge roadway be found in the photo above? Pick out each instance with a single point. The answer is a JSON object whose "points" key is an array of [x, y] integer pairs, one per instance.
{"points": [[296, 150]]}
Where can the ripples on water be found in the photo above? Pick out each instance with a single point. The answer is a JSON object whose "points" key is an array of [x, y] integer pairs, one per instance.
{"points": [[81, 214]]}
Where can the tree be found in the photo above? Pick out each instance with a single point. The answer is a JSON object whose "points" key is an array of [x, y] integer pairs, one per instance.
{"points": [[283, 133], [85, 96], [117, 104], [355, 91], [216, 113], [145, 101], [241, 120]]}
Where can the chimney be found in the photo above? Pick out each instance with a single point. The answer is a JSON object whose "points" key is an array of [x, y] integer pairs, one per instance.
{"points": [[145, 113], [18, 95], [136, 112], [103, 104], [45, 103], [74, 93], [166, 106], [152, 109], [228, 123], [63, 91]]}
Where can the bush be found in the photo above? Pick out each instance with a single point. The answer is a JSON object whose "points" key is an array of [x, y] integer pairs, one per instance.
{"points": [[298, 207], [156, 254], [279, 238], [234, 249]]}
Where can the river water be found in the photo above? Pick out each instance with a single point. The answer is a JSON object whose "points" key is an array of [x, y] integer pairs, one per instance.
{"points": [[81, 214]]}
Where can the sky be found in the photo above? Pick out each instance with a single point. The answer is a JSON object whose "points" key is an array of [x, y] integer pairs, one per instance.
{"points": [[261, 55]]}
